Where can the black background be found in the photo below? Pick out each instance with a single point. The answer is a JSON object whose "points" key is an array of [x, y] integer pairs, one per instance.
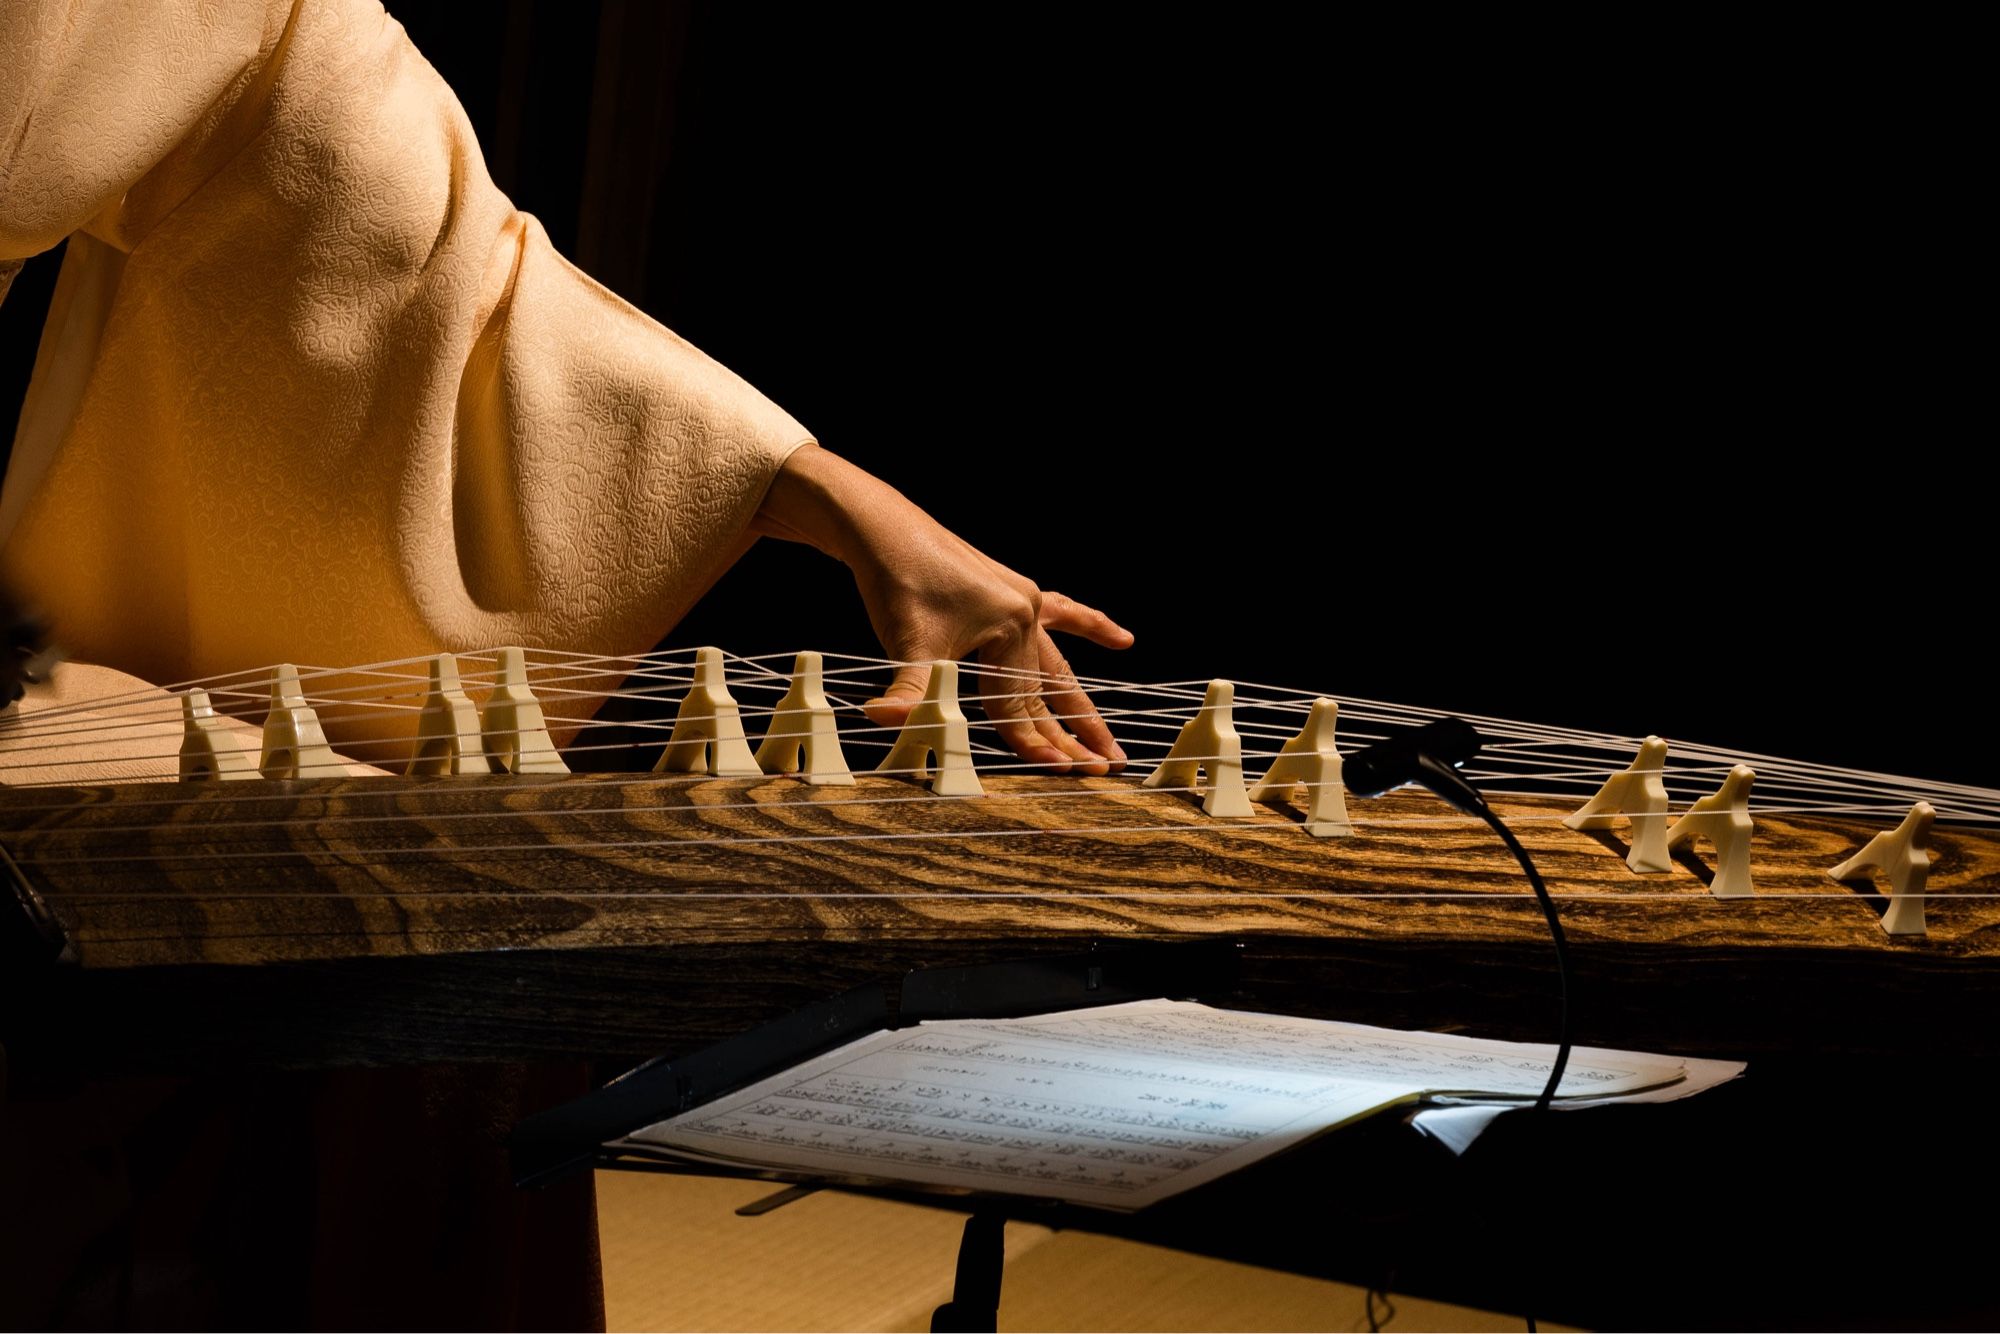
{"points": [[1557, 372]]}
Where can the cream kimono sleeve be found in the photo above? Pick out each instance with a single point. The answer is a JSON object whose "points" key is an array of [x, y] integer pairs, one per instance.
{"points": [[311, 388]]}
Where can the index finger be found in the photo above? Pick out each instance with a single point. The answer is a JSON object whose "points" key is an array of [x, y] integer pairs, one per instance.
{"points": [[1072, 617]]}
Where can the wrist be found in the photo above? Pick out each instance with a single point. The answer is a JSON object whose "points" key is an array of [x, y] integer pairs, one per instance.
{"points": [[824, 501]]}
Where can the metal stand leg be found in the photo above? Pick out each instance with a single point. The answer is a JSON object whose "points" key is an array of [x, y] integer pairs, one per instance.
{"points": [[974, 1307]]}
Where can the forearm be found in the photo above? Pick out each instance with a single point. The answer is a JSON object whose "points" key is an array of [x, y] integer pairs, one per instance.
{"points": [[824, 501], [930, 595]]}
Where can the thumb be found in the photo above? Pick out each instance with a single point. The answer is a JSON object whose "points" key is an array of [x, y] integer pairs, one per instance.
{"points": [[892, 707]]}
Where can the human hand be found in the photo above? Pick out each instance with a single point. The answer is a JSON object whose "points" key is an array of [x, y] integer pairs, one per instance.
{"points": [[930, 594]]}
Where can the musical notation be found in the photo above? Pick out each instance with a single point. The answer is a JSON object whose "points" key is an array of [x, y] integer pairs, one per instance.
{"points": [[1116, 1107]]}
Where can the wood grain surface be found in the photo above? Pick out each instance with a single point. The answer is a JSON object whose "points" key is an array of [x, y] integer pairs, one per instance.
{"points": [[387, 919]]}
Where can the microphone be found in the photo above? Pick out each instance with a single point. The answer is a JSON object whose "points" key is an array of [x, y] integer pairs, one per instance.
{"points": [[1429, 755]]}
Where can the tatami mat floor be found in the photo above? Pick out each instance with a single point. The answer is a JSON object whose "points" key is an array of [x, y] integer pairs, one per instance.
{"points": [[676, 1257]]}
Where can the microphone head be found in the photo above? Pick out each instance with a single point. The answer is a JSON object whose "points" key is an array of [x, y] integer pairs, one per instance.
{"points": [[1396, 760]]}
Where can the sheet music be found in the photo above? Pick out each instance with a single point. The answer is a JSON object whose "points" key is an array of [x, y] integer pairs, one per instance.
{"points": [[1118, 1107]]}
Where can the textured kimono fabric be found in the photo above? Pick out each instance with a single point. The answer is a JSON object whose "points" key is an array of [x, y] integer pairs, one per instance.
{"points": [[312, 390]]}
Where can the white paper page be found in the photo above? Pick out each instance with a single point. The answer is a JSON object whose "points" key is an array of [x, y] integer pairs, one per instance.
{"points": [[1458, 1125], [1119, 1106]]}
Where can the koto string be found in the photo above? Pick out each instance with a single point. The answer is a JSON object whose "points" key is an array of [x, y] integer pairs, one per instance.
{"points": [[1540, 760], [885, 895], [626, 783], [167, 718], [1801, 778], [1812, 796]]}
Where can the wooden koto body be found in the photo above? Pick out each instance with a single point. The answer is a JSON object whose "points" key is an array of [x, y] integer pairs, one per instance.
{"points": [[386, 919]]}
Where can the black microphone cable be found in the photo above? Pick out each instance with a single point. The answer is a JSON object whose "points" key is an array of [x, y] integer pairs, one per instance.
{"points": [[1430, 756]]}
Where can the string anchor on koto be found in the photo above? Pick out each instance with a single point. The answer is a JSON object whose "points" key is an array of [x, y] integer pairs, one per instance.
{"points": [[209, 749], [935, 740], [1208, 744], [1903, 855], [517, 735], [1638, 792], [708, 730], [1723, 818], [803, 737], [1312, 759], [448, 730], [295, 744]]}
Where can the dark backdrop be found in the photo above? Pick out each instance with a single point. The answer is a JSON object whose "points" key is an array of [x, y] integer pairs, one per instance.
{"points": [[1551, 372]]}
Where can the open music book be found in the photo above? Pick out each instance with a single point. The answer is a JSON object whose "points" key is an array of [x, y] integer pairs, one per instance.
{"points": [[1118, 1106]]}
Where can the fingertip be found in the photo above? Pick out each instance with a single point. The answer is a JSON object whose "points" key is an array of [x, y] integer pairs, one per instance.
{"points": [[1085, 761], [1077, 618], [1109, 634], [1048, 757], [888, 710], [1108, 760]]}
